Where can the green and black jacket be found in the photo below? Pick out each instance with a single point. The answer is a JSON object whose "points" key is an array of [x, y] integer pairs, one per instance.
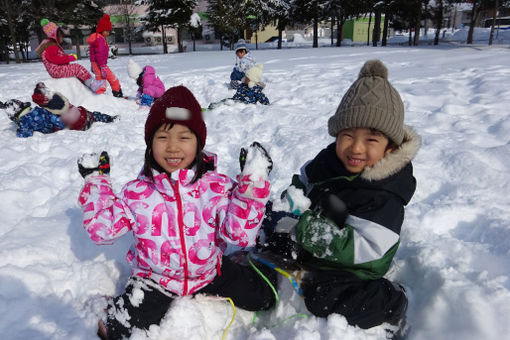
{"points": [[375, 200]]}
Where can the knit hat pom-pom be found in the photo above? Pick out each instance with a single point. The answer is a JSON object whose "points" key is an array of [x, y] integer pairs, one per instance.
{"points": [[373, 68], [44, 22]]}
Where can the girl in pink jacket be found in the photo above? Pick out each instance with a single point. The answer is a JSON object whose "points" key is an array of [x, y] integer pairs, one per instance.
{"points": [[150, 87], [57, 62], [98, 51], [182, 214]]}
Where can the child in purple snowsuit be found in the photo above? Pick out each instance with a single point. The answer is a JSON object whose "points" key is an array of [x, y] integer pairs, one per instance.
{"points": [[150, 87]]}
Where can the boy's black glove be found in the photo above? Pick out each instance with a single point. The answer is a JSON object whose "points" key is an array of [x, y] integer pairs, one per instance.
{"points": [[91, 162], [335, 209], [256, 148]]}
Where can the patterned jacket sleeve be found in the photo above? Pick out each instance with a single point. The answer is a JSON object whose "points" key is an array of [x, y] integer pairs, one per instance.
{"points": [[240, 219], [105, 216]]}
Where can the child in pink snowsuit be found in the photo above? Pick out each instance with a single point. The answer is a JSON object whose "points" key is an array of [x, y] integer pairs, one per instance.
{"points": [[99, 50], [182, 214], [57, 62], [150, 87]]}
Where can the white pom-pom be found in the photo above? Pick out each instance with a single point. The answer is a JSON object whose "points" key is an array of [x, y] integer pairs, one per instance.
{"points": [[134, 69]]}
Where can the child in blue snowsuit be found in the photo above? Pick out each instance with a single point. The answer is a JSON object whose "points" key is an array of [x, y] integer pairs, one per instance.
{"points": [[29, 120], [244, 61], [250, 90], [55, 113]]}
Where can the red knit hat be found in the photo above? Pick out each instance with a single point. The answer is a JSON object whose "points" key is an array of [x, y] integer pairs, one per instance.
{"points": [[176, 106], [104, 24]]}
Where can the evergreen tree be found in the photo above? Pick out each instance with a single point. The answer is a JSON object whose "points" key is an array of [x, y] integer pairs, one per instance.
{"points": [[279, 12], [228, 18], [172, 13]]}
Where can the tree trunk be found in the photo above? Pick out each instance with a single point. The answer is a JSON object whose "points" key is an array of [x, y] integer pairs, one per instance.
{"points": [[78, 40], [385, 29], [179, 40], [280, 35], [332, 29], [369, 24], [410, 35], [256, 40], [417, 27], [491, 37], [339, 30], [12, 30], [163, 36], [439, 22], [315, 32], [474, 17], [377, 28]]}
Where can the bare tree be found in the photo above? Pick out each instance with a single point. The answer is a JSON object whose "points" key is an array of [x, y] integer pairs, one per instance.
{"points": [[127, 10], [491, 37]]}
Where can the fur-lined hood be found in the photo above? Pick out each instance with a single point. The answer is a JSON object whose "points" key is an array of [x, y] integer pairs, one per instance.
{"points": [[396, 160]]}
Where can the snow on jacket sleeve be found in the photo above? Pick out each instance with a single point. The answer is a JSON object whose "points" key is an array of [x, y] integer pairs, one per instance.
{"points": [[55, 55], [152, 85], [364, 245], [105, 216], [240, 219]]}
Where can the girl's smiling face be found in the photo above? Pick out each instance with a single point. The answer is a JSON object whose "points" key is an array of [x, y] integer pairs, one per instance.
{"points": [[358, 148], [174, 146]]}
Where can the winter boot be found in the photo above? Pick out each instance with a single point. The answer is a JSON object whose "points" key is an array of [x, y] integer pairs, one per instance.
{"points": [[118, 93], [94, 84], [399, 327], [2, 105]]}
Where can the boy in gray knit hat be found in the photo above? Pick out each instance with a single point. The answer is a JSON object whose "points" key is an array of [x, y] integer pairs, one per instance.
{"points": [[350, 203]]}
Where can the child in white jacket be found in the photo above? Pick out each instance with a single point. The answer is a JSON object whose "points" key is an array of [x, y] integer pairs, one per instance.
{"points": [[182, 214]]}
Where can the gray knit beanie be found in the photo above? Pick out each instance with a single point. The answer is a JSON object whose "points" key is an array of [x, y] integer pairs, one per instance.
{"points": [[371, 102]]}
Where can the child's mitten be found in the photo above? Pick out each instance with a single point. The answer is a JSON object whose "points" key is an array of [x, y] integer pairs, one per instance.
{"points": [[334, 209], [92, 162], [73, 57], [255, 161], [104, 71]]}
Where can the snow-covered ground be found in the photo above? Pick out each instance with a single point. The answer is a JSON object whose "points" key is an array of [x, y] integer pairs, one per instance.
{"points": [[455, 242]]}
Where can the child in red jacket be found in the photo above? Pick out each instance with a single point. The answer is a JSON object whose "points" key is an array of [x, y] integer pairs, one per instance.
{"points": [[98, 48], [57, 62]]}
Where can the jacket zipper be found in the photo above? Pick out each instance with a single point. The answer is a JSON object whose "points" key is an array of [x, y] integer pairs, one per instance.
{"points": [[180, 222]]}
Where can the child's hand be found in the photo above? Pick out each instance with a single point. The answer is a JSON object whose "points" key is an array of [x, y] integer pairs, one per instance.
{"points": [[334, 209], [92, 162], [255, 160], [104, 71]]}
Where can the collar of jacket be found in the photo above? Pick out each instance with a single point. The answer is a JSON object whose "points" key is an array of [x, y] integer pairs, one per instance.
{"points": [[396, 160], [184, 176]]}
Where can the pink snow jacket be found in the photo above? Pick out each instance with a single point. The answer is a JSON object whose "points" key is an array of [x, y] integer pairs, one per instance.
{"points": [[152, 85], [98, 49], [180, 229]]}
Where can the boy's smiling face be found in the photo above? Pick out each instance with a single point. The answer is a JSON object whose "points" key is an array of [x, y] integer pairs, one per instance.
{"points": [[358, 148]]}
